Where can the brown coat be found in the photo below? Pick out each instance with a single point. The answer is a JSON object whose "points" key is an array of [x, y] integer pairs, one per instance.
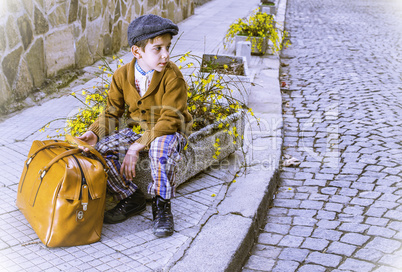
{"points": [[161, 111]]}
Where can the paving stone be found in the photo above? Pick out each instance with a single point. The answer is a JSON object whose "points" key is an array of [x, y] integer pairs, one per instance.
{"points": [[324, 259], [354, 210], [291, 241], [354, 239], [375, 212], [259, 263], [381, 231], [269, 238], [336, 207], [384, 245], [386, 269], [340, 199], [328, 224], [301, 231], [277, 228], [301, 221], [356, 265], [326, 234], [392, 260], [315, 244], [341, 248], [348, 192], [302, 213], [285, 266], [326, 215], [310, 204], [266, 251], [312, 267]]}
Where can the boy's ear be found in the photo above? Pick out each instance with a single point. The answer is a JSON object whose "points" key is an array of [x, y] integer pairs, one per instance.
{"points": [[136, 51]]}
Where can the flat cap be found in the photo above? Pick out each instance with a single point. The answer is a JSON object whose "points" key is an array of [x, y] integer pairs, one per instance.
{"points": [[149, 26]]}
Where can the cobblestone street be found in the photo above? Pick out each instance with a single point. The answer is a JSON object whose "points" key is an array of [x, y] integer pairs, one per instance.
{"points": [[340, 209]]}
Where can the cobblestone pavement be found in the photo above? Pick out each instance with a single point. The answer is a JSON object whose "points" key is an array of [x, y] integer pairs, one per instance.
{"points": [[340, 209]]}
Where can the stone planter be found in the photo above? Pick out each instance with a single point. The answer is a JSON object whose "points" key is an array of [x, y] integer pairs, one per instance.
{"points": [[259, 45], [241, 81], [200, 151]]}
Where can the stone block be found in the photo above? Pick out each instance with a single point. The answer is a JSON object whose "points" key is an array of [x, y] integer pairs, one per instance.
{"points": [[3, 41], [49, 4], [73, 11], [123, 35], [95, 9], [117, 11], [13, 6], [23, 81], [59, 50], [82, 54], [40, 3], [270, 9], [5, 92], [58, 16], [152, 3], [28, 6], [12, 32], [83, 18], [243, 49], [123, 8], [107, 44], [3, 9], [116, 37], [40, 24], [94, 37], [10, 65], [24, 26], [259, 45], [36, 62]]}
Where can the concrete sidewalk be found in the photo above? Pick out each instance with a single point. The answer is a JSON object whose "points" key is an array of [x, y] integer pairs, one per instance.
{"points": [[216, 219]]}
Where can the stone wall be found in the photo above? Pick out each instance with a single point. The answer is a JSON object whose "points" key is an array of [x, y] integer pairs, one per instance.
{"points": [[40, 39]]}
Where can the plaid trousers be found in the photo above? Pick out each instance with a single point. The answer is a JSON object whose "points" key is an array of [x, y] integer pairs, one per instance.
{"points": [[164, 153]]}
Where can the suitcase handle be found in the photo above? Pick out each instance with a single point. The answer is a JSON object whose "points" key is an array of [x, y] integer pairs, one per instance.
{"points": [[57, 158], [63, 144], [95, 152]]}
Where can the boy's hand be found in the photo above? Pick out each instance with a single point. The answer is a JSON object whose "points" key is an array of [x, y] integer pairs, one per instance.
{"points": [[90, 138], [130, 160]]}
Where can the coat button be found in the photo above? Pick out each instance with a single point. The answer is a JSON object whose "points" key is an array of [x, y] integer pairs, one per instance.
{"points": [[139, 102], [143, 111]]}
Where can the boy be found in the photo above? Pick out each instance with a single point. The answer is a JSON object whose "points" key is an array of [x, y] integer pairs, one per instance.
{"points": [[155, 92]]}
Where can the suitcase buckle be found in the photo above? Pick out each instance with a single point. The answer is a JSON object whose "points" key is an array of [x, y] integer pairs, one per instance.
{"points": [[80, 215], [42, 173]]}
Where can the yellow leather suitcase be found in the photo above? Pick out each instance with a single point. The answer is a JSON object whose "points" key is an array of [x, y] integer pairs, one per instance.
{"points": [[62, 193]]}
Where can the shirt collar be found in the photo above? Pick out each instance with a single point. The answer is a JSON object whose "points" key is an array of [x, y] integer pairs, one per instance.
{"points": [[139, 69]]}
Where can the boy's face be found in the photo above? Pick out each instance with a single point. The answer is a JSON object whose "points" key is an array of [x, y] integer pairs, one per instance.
{"points": [[156, 53]]}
